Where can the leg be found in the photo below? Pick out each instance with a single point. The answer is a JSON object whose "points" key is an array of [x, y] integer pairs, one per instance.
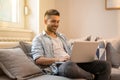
{"points": [[71, 70], [101, 69]]}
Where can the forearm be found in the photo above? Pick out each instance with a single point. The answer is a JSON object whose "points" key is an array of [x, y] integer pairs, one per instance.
{"points": [[46, 61]]}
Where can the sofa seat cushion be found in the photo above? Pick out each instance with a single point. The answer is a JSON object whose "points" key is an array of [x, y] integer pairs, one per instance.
{"points": [[51, 77], [115, 74]]}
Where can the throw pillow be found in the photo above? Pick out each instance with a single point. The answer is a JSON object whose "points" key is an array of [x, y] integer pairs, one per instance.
{"points": [[16, 64], [101, 51], [86, 38], [97, 38], [26, 47], [114, 52]]}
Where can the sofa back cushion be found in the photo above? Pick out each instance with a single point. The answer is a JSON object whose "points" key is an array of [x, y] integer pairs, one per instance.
{"points": [[26, 47], [8, 44], [113, 52], [16, 64]]}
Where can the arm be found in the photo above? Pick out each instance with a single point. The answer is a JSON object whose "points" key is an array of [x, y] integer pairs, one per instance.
{"points": [[46, 61], [49, 61], [67, 44]]}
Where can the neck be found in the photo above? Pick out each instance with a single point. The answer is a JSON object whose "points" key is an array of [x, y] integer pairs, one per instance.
{"points": [[51, 34]]}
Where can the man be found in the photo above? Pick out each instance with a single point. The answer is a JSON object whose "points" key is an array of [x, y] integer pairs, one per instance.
{"points": [[50, 47]]}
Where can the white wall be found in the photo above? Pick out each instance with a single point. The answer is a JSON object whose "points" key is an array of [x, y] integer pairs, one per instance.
{"points": [[87, 17], [78, 17], [118, 22], [45, 5], [62, 6]]}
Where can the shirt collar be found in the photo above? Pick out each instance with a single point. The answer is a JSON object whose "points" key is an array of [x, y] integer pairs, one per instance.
{"points": [[45, 34]]}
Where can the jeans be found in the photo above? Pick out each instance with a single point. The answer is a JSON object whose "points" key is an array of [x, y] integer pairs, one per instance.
{"points": [[100, 69]]}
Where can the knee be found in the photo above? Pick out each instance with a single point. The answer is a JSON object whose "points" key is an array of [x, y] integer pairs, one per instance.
{"points": [[67, 65], [66, 68], [106, 66]]}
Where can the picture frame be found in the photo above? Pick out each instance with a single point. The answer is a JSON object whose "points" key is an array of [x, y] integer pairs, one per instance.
{"points": [[112, 4]]}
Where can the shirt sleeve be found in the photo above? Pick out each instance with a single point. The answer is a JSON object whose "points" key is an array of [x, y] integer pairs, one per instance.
{"points": [[37, 48], [68, 44]]}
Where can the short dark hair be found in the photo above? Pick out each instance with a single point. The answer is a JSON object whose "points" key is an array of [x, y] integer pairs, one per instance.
{"points": [[52, 12]]}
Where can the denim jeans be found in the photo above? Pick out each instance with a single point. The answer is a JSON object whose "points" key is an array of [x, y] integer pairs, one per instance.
{"points": [[101, 70]]}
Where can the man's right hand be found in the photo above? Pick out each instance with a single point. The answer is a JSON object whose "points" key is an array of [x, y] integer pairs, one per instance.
{"points": [[63, 59]]}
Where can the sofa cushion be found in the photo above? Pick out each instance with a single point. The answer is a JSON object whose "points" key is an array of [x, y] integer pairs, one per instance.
{"points": [[115, 74], [51, 77], [113, 52], [87, 38], [26, 47], [8, 44], [16, 64]]}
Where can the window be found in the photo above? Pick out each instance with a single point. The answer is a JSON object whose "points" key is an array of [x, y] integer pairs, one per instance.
{"points": [[12, 13]]}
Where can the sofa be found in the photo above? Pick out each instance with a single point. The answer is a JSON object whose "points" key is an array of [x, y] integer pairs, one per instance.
{"points": [[16, 62]]}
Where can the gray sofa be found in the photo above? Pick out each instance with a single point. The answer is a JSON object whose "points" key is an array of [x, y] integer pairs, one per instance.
{"points": [[112, 47], [16, 63]]}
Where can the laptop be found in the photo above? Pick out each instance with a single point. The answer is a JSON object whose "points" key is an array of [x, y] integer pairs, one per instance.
{"points": [[84, 51]]}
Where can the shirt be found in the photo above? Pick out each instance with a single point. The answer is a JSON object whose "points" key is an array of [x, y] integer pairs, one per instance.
{"points": [[42, 45], [59, 52]]}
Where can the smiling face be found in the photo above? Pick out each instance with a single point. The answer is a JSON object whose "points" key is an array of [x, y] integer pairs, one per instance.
{"points": [[52, 23]]}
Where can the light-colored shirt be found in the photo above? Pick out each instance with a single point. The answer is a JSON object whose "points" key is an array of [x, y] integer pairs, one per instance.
{"points": [[42, 45], [59, 52]]}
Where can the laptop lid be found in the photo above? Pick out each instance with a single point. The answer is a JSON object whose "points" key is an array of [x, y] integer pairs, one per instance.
{"points": [[84, 51]]}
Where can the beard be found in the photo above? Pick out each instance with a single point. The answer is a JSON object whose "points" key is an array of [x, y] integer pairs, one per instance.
{"points": [[52, 28]]}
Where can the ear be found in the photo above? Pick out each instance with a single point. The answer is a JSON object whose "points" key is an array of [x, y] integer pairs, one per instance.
{"points": [[45, 21]]}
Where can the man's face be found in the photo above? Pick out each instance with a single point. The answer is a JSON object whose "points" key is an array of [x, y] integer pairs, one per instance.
{"points": [[52, 23]]}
